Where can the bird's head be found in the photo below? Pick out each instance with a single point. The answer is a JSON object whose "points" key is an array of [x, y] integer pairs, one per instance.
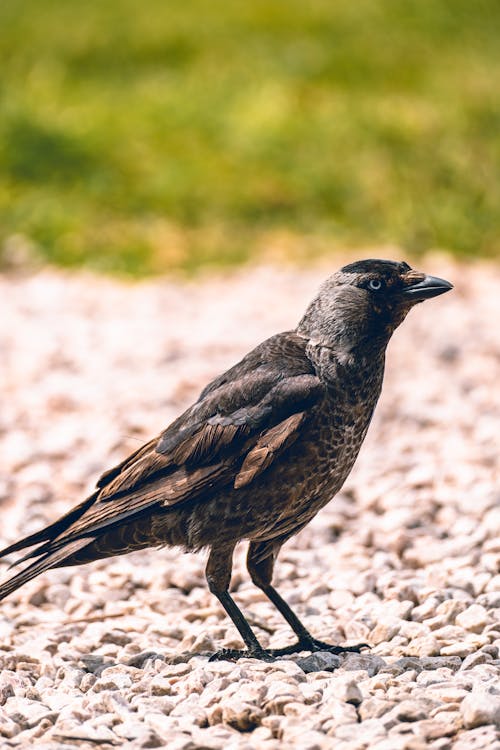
{"points": [[364, 302]]}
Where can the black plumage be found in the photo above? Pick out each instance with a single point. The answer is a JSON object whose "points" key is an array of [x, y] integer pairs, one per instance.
{"points": [[266, 445]]}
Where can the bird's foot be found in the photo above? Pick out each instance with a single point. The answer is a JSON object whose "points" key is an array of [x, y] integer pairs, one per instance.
{"points": [[271, 654], [233, 654], [312, 644]]}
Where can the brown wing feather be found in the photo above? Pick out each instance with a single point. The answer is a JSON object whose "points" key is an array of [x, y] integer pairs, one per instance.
{"points": [[145, 468], [267, 446], [120, 468], [208, 441], [147, 465], [179, 486]]}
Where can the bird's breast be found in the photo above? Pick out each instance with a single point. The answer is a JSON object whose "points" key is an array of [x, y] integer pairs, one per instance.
{"points": [[316, 466]]}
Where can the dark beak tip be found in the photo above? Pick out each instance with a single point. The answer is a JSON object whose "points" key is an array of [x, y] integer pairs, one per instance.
{"points": [[431, 286]]}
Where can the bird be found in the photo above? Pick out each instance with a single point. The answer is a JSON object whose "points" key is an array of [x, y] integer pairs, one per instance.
{"points": [[267, 444]]}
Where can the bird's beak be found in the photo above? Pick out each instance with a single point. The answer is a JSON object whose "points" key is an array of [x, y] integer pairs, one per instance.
{"points": [[429, 286]]}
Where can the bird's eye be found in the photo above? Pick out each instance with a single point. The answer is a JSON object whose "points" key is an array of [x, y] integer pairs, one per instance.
{"points": [[375, 284]]}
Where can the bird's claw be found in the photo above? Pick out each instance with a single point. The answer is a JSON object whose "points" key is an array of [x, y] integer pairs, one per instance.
{"points": [[313, 645], [233, 654], [271, 654]]}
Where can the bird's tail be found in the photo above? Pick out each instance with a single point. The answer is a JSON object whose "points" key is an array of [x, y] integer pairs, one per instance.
{"points": [[49, 533], [47, 561], [52, 550]]}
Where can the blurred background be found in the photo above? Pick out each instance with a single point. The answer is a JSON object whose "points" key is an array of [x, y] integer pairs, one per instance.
{"points": [[143, 138]]}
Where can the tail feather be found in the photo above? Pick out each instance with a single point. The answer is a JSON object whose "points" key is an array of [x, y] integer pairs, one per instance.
{"points": [[49, 533], [39, 566], [37, 552]]}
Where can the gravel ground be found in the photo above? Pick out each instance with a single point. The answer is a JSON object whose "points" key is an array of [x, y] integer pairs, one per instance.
{"points": [[114, 654]]}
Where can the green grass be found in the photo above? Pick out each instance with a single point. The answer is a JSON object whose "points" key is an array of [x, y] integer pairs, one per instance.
{"points": [[146, 137]]}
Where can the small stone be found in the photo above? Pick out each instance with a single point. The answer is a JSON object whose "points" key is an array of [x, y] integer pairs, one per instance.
{"points": [[441, 725], [337, 714], [73, 730], [464, 648], [242, 716], [176, 743], [404, 664], [296, 708], [6, 691], [159, 723], [424, 646], [340, 598], [356, 630], [273, 723], [87, 682], [261, 734], [114, 681], [406, 710], [201, 644], [94, 663], [140, 659], [472, 660], [447, 693], [321, 661], [441, 662], [160, 685], [254, 692], [480, 708], [489, 600], [370, 663], [131, 729], [344, 689], [27, 713], [278, 695], [474, 618], [450, 608], [425, 610], [303, 738], [482, 738], [177, 670], [373, 708], [8, 727], [289, 667], [384, 631], [188, 711], [355, 733]]}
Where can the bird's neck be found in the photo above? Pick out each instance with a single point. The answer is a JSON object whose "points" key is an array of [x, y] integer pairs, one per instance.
{"points": [[359, 370]]}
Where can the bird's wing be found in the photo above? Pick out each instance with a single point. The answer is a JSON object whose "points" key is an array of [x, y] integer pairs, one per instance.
{"points": [[244, 414], [238, 426]]}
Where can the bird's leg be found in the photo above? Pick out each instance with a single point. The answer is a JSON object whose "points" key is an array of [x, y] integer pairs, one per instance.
{"points": [[261, 570], [218, 575]]}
